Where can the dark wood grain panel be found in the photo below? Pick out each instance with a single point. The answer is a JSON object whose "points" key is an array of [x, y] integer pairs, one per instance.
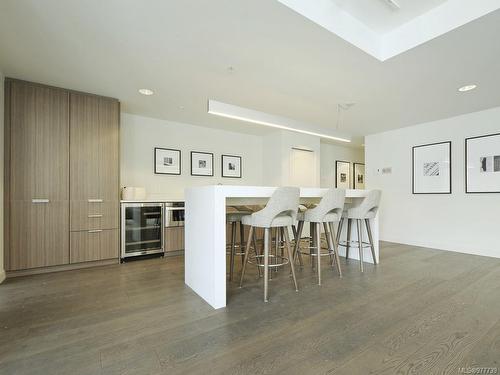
{"points": [[174, 238], [92, 245], [38, 136]]}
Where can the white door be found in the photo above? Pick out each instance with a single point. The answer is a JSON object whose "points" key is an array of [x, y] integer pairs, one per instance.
{"points": [[303, 168]]}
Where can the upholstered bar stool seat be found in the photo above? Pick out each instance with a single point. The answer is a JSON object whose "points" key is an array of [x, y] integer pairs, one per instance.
{"points": [[236, 216], [280, 212], [311, 217], [366, 211], [279, 221], [328, 211]]}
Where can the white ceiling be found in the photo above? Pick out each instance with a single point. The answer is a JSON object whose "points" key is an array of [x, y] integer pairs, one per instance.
{"points": [[382, 18], [282, 63], [385, 32]]}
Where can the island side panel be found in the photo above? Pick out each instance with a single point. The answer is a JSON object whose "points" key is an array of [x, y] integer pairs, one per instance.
{"points": [[204, 231]]}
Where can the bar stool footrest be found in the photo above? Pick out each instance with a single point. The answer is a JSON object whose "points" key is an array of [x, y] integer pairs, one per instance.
{"points": [[354, 244], [283, 260]]}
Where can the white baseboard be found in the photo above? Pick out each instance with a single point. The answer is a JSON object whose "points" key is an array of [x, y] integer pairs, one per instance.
{"points": [[2, 276], [440, 246]]}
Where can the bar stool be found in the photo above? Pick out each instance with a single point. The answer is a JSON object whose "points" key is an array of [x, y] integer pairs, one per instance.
{"points": [[234, 218], [280, 212], [328, 211], [364, 212]]}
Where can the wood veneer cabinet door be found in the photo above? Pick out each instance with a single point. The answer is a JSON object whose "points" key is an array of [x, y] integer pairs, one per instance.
{"points": [[94, 162], [94, 245], [38, 176], [174, 238]]}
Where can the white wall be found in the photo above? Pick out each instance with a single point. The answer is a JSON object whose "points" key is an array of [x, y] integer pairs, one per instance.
{"points": [[139, 136], [330, 153], [460, 222], [2, 270]]}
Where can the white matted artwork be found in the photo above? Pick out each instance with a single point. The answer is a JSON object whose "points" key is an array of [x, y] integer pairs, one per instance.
{"points": [[342, 174], [482, 160], [202, 163], [231, 166], [432, 168], [358, 179], [167, 161]]}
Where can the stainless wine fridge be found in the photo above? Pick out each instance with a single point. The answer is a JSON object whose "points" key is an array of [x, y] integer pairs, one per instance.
{"points": [[141, 229]]}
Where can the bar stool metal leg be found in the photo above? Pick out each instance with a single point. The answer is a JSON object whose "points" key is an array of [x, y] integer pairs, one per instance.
{"points": [[267, 235], [336, 247], [282, 243], [370, 238], [242, 240], [247, 252], [329, 243], [348, 244], [296, 251], [318, 250], [339, 229], [290, 257], [233, 250], [256, 250], [360, 242], [312, 243]]}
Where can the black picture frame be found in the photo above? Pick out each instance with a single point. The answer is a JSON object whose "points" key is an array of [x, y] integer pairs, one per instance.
{"points": [[337, 162], [167, 149], [354, 174], [222, 165], [413, 168], [202, 153], [466, 163]]}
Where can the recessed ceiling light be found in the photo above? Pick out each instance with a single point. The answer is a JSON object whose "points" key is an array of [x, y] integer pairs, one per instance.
{"points": [[147, 92], [467, 88]]}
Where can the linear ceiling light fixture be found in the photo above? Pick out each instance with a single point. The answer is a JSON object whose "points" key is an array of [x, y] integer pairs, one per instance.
{"points": [[255, 117]]}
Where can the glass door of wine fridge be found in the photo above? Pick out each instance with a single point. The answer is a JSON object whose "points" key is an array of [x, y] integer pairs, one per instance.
{"points": [[142, 229]]}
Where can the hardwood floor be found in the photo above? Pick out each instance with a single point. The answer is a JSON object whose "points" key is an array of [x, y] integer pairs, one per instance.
{"points": [[421, 311]]}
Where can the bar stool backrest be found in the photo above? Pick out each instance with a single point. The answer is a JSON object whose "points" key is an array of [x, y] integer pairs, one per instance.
{"points": [[369, 207], [331, 203], [283, 202]]}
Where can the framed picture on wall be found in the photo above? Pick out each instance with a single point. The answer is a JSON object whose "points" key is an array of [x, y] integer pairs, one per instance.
{"points": [[202, 163], [231, 166], [167, 161], [358, 180], [342, 174], [482, 164], [431, 169]]}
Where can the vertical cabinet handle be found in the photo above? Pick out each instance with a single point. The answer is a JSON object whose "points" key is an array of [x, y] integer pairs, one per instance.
{"points": [[39, 200], [95, 200]]}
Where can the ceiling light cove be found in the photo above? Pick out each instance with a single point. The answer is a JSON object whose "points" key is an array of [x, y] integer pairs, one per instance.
{"points": [[146, 92], [467, 88], [255, 117]]}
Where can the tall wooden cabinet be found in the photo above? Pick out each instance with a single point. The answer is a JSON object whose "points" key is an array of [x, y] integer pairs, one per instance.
{"points": [[94, 150], [61, 177], [37, 156]]}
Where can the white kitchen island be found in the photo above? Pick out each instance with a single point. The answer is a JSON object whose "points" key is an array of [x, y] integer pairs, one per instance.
{"points": [[205, 233]]}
